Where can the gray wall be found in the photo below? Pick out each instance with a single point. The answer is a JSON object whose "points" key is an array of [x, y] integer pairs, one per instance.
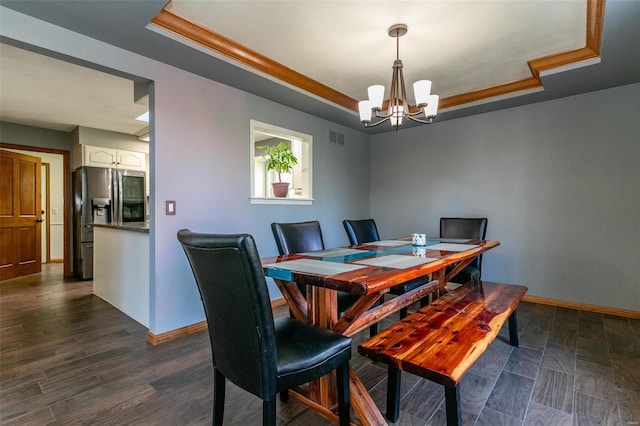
{"points": [[202, 161], [34, 136], [559, 182], [200, 157]]}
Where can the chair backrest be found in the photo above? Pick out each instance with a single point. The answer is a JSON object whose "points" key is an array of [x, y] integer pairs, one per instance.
{"points": [[298, 237], [234, 293], [458, 227], [361, 231]]}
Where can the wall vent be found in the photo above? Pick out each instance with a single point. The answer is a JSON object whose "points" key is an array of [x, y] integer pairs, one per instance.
{"points": [[336, 138]]}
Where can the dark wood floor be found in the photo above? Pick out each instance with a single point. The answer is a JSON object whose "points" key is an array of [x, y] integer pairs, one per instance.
{"points": [[67, 357]]}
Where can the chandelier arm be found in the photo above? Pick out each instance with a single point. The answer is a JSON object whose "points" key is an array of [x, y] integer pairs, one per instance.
{"points": [[384, 120], [415, 113], [420, 120], [379, 114]]}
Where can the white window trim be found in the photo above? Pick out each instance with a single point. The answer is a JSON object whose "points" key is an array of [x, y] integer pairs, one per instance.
{"points": [[284, 134], [274, 200]]}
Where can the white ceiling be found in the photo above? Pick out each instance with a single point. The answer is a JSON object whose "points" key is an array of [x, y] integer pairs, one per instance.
{"points": [[461, 45], [40, 91]]}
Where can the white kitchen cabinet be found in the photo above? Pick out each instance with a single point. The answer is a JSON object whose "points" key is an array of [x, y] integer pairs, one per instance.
{"points": [[94, 156], [131, 160], [99, 156]]}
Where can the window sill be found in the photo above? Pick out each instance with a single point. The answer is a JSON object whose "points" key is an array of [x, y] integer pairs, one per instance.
{"points": [[274, 200]]}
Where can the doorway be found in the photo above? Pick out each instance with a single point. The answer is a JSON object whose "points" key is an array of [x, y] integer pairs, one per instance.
{"points": [[44, 99], [59, 208]]}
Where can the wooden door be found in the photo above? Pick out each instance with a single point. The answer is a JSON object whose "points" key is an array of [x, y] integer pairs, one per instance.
{"points": [[20, 215]]}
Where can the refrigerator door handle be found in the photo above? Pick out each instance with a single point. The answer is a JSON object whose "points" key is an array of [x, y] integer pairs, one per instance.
{"points": [[115, 208], [114, 197], [120, 197]]}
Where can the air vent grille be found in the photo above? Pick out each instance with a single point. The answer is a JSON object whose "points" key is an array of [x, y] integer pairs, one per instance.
{"points": [[336, 138]]}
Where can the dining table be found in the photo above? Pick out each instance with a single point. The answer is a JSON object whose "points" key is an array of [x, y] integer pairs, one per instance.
{"points": [[367, 270]]}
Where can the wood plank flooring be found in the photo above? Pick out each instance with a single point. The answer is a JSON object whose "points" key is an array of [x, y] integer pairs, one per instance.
{"points": [[67, 357]]}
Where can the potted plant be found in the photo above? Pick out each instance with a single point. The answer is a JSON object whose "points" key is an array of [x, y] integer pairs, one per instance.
{"points": [[279, 158]]}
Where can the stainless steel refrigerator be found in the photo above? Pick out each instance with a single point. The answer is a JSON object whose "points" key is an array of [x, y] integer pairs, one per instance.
{"points": [[103, 195]]}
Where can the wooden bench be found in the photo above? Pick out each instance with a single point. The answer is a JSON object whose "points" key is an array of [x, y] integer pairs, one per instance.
{"points": [[441, 341]]}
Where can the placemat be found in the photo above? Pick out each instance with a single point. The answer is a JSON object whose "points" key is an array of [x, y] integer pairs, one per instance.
{"points": [[396, 261], [313, 266], [452, 247]]}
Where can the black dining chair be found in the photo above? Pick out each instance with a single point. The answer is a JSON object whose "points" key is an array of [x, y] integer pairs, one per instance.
{"points": [[365, 231], [465, 228], [300, 237], [260, 354]]}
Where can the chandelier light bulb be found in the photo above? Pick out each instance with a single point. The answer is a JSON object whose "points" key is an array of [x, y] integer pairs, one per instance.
{"points": [[397, 112], [364, 108], [422, 90], [376, 96], [432, 106]]}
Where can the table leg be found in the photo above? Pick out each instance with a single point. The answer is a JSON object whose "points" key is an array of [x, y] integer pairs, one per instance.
{"points": [[362, 403], [452, 403], [296, 300], [324, 313], [442, 281], [323, 308]]}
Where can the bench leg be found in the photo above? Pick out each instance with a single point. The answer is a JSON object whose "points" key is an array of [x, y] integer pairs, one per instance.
{"points": [[513, 329], [393, 394], [452, 403]]}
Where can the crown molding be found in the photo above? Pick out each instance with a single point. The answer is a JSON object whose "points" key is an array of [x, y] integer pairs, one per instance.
{"points": [[183, 27], [176, 24]]}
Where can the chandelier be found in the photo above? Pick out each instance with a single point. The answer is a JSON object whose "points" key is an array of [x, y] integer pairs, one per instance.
{"points": [[426, 107]]}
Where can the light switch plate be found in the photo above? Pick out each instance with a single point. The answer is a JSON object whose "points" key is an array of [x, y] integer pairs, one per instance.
{"points": [[170, 207]]}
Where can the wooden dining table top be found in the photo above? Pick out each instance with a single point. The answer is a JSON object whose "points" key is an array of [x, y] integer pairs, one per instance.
{"points": [[372, 267]]}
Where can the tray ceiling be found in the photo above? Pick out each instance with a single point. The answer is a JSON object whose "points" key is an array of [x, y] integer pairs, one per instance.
{"points": [[319, 56], [463, 47]]}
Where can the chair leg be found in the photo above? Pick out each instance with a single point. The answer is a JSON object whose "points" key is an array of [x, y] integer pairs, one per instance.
{"points": [[344, 400], [269, 412], [284, 396], [404, 312], [373, 330], [218, 397], [425, 301], [513, 329]]}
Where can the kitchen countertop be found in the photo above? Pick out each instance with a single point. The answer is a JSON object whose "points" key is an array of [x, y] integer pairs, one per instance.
{"points": [[142, 227]]}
